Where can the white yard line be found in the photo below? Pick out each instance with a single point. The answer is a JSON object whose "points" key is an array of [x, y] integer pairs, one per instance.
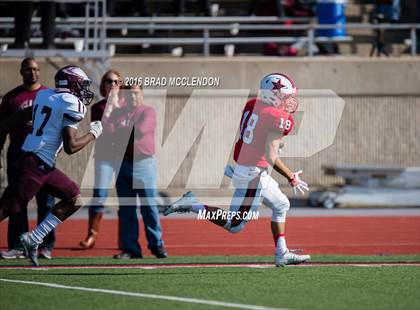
{"points": [[142, 266], [204, 265], [142, 295]]}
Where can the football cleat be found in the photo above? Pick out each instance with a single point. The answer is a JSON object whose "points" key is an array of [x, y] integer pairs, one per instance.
{"points": [[289, 258], [45, 253], [30, 248], [12, 254], [182, 205]]}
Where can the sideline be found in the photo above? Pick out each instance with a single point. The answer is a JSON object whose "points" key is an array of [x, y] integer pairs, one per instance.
{"points": [[204, 265]]}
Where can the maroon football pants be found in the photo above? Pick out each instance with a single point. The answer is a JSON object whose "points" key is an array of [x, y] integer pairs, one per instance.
{"points": [[33, 174]]}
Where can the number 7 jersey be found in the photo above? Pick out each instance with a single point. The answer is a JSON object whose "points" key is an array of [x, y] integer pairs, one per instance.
{"points": [[52, 110], [257, 121]]}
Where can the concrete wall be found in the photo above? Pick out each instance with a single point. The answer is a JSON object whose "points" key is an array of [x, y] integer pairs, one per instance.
{"points": [[380, 122], [346, 76], [373, 130]]}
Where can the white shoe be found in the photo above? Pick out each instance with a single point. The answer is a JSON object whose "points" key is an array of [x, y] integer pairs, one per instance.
{"points": [[45, 253], [290, 258], [12, 254], [182, 205]]}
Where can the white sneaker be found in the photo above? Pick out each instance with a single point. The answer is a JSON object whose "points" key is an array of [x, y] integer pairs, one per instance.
{"points": [[182, 205], [45, 253], [290, 258], [12, 254]]}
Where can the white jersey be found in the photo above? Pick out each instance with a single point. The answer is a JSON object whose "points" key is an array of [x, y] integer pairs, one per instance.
{"points": [[52, 110]]}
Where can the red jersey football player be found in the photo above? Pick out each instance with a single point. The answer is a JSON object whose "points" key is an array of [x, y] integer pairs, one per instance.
{"points": [[265, 121]]}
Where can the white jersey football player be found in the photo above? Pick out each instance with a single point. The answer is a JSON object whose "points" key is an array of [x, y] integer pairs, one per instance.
{"points": [[265, 121], [53, 110], [55, 115]]}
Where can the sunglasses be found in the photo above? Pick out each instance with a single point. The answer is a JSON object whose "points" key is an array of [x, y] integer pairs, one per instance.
{"points": [[109, 81]]}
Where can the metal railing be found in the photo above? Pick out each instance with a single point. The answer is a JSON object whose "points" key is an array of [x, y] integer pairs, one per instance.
{"points": [[206, 25], [88, 23]]}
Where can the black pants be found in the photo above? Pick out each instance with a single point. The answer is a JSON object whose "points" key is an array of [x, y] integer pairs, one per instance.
{"points": [[23, 17], [18, 222], [180, 7], [277, 6], [141, 7]]}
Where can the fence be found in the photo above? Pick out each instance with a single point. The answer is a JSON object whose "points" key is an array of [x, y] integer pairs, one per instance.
{"points": [[95, 24], [205, 26]]}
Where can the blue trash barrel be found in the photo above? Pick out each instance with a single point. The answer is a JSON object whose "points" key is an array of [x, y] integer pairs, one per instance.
{"points": [[331, 12]]}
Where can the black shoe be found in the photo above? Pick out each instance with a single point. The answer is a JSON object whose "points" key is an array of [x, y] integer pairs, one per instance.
{"points": [[124, 255], [159, 252]]}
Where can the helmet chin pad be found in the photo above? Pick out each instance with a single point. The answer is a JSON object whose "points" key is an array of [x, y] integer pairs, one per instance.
{"points": [[86, 94], [88, 97]]}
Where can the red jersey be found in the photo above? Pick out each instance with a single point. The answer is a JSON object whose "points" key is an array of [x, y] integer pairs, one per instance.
{"points": [[257, 121], [102, 145], [121, 123], [15, 100], [97, 110]]}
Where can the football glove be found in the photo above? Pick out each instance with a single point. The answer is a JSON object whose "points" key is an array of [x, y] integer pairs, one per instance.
{"points": [[96, 128], [298, 184]]}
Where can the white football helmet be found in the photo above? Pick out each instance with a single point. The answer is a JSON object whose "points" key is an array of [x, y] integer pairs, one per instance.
{"points": [[279, 90]]}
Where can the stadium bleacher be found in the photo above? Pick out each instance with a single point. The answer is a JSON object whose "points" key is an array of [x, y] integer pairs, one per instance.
{"points": [[197, 35]]}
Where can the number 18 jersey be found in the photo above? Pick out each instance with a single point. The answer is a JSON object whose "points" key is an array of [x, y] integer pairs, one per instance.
{"points": [[52, 110], [257, 121]]}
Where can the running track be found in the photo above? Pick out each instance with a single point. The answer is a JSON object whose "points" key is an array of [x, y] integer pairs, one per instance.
{"points": [[377, 235]]}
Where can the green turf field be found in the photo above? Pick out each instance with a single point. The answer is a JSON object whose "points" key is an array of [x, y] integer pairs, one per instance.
{"points": [[310, 287]]}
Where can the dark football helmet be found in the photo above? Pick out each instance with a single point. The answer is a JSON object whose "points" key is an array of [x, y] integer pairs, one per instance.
{"points": [[76, 81]]}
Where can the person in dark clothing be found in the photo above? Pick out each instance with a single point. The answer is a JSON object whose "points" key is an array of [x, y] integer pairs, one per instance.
{"points": [[277, 6], [179, 7], [16, 100], [23, 17]]}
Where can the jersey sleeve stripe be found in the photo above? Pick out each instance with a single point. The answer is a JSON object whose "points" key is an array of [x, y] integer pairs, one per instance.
{"points": [[72, 118]]}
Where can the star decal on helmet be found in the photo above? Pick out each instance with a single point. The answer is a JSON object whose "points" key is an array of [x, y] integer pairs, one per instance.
{"points": [[277, 85]]}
